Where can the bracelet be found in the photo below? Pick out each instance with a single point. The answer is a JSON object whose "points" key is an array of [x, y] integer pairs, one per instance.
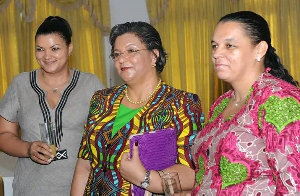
{"points": [[161, 173]]}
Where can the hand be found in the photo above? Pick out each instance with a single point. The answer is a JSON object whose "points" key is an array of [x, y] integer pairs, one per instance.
{"points": [[39, 152], [132, 169]]}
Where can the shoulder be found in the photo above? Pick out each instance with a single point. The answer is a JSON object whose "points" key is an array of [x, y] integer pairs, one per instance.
{"points": [[22, 78], [279, 102], [269, 86], [178, 94], [89, 79], [107, 93], [86, 76]]}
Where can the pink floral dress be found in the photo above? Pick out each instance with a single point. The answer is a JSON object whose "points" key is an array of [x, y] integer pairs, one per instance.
{"points": [[255, 152]]}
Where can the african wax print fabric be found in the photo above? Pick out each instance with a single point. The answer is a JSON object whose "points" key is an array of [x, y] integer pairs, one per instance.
{"points": [[169, 107], [256, 151]]}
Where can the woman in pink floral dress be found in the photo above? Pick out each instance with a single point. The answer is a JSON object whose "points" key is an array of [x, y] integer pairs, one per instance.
{"points": [[251, 144]]}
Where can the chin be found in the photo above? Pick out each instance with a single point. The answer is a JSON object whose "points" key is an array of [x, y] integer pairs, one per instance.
{"points": [[222, 77]]}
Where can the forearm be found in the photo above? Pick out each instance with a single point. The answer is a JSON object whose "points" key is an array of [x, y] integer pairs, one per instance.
{"points": [[186, 177], [80, 177], [12, 145]]}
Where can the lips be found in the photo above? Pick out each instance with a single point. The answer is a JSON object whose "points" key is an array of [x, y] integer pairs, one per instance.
{"points": [[125, 68], [220, 65], [49, 62]]}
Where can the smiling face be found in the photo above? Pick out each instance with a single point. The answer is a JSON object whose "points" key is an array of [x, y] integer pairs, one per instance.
{"points": [[52, 52], [233, 54], [138, 65]]}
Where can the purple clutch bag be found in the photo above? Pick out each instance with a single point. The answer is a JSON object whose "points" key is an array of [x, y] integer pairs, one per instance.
{"points": [[157, 150]]}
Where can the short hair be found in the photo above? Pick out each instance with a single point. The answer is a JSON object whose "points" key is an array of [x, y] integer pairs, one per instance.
{"points": [[147, 34]]}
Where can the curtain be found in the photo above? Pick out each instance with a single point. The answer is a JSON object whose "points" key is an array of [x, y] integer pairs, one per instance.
{"points": [[19, 20], [186, 29]]}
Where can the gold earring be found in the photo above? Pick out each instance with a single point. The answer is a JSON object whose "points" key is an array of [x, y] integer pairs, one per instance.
{"points": [[153, 65]]}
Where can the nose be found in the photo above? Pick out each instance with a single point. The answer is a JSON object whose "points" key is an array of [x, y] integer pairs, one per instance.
{"points": [[47, 54], [217, 52], [123, 57]]}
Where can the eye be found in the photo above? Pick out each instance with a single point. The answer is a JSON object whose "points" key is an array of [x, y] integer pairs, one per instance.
{"points": [[55, 48], [229, 45], [132, 51], [39, 49], [116, 54], [214, 46]]}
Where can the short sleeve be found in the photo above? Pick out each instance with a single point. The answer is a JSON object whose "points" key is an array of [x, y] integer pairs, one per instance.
{"points": [[85, 151], [9, 105], [190, 114]]}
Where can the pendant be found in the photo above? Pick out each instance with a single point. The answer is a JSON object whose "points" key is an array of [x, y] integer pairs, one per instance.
{"points": [[54, 90]]}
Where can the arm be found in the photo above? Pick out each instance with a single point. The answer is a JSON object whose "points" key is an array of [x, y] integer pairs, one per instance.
{"points": [[280, 125], [188, 118], [134, 170], [80, 177], [11, 144]]}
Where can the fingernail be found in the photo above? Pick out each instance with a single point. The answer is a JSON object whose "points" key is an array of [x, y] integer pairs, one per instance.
{"points": [[136, 143]]}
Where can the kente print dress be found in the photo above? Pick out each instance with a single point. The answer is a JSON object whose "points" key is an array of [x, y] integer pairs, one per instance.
{"points": [[255, 152], [169, 107]]}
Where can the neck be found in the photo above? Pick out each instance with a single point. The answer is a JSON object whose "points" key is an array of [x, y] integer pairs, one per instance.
{"points": [[142, 98], [55, 82]]}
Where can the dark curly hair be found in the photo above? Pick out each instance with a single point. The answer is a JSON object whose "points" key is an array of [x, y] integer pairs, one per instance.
{"points": [[257, 28], [56, 25], [147, 34]]}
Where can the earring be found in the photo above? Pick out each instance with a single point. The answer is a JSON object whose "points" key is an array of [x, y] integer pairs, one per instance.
{"points": [[258, 59], [153, 65]]}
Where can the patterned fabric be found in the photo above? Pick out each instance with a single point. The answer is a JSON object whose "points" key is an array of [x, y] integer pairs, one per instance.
{"points": [[168, 108], [256, 151]]}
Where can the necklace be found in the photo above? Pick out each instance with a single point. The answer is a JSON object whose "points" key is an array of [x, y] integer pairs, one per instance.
{"points": [[237, 103], [142, 101], [54, 89]]}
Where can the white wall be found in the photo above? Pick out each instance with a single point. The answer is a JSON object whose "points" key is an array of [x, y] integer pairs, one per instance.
{"points": [[122, 11]]}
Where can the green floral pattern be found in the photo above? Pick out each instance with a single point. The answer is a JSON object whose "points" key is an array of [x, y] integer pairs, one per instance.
{"points": [[280, 112], [219, 109], [201, 171], [232, 173]]}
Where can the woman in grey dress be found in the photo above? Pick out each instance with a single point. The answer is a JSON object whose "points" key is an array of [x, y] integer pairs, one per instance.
{"points": [[53, 93]]}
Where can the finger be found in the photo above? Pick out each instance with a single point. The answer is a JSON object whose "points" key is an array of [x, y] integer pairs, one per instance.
{"points": [[135, 151], [45, 150], [41, 151], [41, 159], [125, 157]]}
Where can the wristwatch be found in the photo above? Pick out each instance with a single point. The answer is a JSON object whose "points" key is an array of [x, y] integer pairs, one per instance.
{"points": [[146, 181]]}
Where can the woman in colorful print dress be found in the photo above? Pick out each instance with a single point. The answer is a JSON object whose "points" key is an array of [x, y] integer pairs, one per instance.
{"points": [[251, 144], [144, 103]]}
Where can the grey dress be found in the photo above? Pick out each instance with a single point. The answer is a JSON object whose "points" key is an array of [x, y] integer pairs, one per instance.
{"points": [[24, 102]]}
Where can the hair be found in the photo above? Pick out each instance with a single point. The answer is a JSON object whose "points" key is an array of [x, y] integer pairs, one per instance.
{"points": [[257, 28], [147, 34], [55, 25]]}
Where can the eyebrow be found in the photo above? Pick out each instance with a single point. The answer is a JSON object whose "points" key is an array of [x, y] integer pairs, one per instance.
{"points": [[228, 39]]}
